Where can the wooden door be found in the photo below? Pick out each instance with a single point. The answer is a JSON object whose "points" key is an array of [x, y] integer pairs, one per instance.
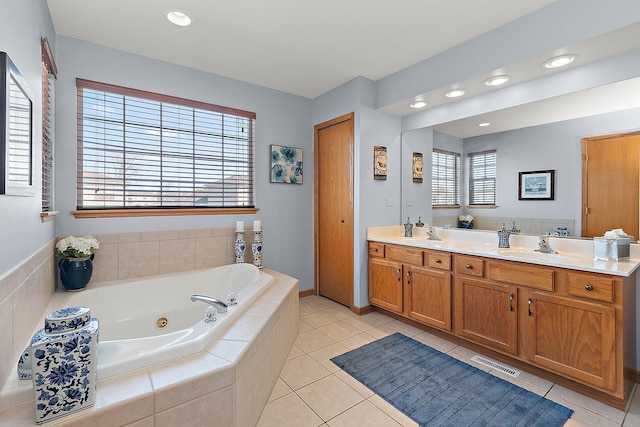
{"points": [[610, 178], [334, 209], [572, 337], [385, 284], [487, 314], [430, 300]]}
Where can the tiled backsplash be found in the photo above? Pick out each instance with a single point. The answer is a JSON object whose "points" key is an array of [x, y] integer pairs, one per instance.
{"points": [[525, 225]]}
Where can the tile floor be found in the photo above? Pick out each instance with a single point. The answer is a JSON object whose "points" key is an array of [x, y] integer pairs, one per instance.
{"points": [[311, 391]]}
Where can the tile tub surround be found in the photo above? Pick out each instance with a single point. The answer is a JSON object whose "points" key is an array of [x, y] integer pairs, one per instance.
{"points": [[228, 384], [25, 292]]}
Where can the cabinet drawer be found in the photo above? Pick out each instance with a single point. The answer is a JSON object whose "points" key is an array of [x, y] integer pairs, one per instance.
{"points": [[592, 287], [519, 274], [376, 249], [438, 260], [469, 266], [405, 255]]}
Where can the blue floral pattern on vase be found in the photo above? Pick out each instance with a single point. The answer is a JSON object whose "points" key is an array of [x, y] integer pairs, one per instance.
{"points": [[256, 248], [239, 247], [67, 319], [64, 365]]}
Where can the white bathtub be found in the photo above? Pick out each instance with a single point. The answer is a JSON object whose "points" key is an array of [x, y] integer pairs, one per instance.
{"points": [[130, 312]]}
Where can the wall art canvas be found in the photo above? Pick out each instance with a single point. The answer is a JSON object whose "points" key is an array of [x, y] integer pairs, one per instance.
{"points": [[379, 162], [418, 164], [286, 164], [536, 185]]}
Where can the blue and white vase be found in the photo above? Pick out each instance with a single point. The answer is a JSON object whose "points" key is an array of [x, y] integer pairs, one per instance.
{"points": [[239, 247], [64, 363], [256, 248]]}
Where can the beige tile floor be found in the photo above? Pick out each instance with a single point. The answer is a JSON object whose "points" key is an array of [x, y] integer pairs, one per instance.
{"points": [[311, 391]]}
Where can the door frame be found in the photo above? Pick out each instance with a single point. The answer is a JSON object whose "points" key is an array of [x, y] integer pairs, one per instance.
{"points": [[585, 172], [344, 118]]}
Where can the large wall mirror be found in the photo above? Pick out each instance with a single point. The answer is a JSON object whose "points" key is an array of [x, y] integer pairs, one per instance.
{"points": [[16, 131], [546, 135]]}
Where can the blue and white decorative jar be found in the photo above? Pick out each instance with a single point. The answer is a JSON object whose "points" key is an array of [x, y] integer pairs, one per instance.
{"points": [[64, 363], [256, 248]]}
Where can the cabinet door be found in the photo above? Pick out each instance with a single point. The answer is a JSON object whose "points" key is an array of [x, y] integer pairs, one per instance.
{"points": [[572, 337], [487, 314], [430, 297], [385, 284]]}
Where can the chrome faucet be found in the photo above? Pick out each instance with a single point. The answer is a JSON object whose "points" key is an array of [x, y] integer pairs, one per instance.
{"points": [[431, 234], [513, 229], [544, 245], [219, 305]]}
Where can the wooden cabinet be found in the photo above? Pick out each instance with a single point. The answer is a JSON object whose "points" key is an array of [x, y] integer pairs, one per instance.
{"points": [[385, 284], [573, 324], [572, 337], [487, 313]]}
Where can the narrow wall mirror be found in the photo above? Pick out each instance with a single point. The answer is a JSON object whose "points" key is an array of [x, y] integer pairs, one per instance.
{"points": [[16, 131]]}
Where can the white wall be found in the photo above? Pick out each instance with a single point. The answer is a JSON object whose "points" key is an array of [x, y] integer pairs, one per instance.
{"points": [[556, 146], [22, 24], [286, 210]]}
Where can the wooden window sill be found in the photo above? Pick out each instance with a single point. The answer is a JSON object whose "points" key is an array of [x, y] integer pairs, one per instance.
{"points": [[482, 206], [123, 213]]}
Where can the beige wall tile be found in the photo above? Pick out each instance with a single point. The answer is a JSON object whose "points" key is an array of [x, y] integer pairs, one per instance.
{"points": [[117, 238], [223, 232], [215, 409], [177, 255], [6, 340], [105, 263], [151, 236], [211, 252], [138, 259], [195, 234]]}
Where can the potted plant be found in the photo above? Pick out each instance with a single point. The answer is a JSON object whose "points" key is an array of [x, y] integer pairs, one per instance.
{"points": [[465, 221], [76, 256]]}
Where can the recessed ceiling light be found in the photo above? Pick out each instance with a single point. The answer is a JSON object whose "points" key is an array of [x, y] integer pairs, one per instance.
{"points": [[454, 93], [497, 80], [178, 17], [560, 61], [418, 104], [485, 124]]}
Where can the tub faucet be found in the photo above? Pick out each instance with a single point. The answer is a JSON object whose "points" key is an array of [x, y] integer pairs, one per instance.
{"points": [[431, 234], [544, 245], [219, 305]]}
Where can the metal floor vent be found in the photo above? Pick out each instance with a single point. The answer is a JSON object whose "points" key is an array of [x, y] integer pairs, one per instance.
{"points": [[495, 365]]}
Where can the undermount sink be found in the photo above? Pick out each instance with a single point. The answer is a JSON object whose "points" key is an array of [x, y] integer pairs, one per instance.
{"points": [[530, 254]]}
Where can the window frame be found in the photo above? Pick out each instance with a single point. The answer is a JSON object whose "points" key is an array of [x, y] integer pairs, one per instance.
{"points": [[134, 211], [435, 180], [476, 202], [49, 75]]}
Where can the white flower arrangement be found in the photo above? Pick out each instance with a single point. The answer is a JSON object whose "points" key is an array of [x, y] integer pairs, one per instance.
{"points": [[465, 218], [77, 247]]}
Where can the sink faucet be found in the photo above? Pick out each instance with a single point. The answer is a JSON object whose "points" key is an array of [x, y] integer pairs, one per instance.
{"points": [[513, 229], [431, 234], [219, 305], [544, 245]]}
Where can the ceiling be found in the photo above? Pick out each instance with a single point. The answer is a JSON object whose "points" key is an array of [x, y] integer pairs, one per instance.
{"points": [[307, 48], [300, 47]]}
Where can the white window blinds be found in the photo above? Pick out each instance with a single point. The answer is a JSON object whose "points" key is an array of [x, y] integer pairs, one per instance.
{"points": [[482, 178], [49, 73], [445, 178], [139, 149]]}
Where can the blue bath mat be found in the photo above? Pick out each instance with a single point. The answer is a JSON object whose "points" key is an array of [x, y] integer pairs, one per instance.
{"points": [[434, 389]]}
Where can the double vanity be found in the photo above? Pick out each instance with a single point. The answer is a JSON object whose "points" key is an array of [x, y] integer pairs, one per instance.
{"points": [[564, 315]]}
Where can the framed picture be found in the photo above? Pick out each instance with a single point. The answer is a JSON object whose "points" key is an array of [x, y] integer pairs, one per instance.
{"points": [[379, 162], [418, 164], [286, 164], [536, 185]]}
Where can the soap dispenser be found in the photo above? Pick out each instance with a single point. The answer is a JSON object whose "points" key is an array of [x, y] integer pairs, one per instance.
{"points": [[419, 223], [503, 237], [408, 228]]}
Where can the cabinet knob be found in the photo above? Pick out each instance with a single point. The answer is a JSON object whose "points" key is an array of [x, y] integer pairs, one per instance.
{"points": [[469, 267], [588, 287], [438, 261], [375, 250]]}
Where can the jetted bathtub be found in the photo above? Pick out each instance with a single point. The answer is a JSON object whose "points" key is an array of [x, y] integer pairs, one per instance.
{"points": [[153, 320]]}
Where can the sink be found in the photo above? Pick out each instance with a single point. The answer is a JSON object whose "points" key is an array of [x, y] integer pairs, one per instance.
{"points": [[531, 254]]}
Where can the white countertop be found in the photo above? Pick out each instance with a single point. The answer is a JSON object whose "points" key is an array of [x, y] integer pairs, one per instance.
{"points": [[572, 253]]}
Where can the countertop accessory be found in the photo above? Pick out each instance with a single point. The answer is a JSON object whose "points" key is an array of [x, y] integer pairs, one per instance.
{"points": [[503, 237], [613, 246], [408, 228], [419, 223]]}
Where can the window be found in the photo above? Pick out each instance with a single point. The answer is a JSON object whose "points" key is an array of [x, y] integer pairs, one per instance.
{"points": [[139, 149], [445, 179], [49, 73], [482, 178]]}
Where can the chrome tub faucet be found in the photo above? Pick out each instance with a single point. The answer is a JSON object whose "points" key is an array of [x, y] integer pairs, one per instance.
{"points": [[220, 306]]}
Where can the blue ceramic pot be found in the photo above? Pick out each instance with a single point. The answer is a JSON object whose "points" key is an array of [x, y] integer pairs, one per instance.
{"points": [[75, 273], [462, 224]]}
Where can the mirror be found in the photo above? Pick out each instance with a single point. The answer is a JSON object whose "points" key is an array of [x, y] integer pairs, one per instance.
{"points": [[546, 135], [16, 131]]}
